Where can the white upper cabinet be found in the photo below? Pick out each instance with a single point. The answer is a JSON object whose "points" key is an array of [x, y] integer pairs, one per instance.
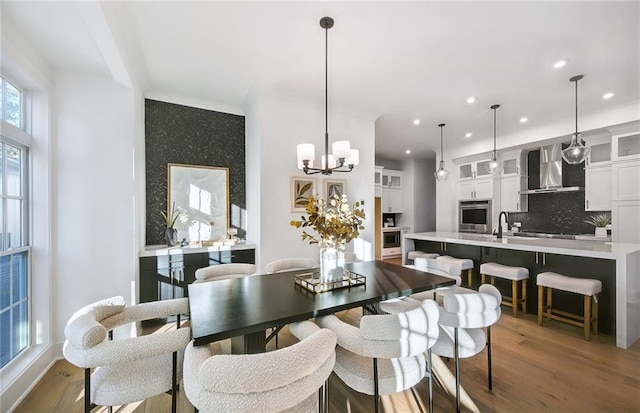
{"points": [[626, 146], [510, 198], [515, 163], [473, 170], [600, 150], [377, 175], [597, 188]]}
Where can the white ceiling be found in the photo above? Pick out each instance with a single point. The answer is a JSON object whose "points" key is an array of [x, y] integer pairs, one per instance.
{"points": [[389, 61]]}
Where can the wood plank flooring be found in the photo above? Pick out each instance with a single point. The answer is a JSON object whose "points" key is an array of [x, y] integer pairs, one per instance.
{"points": [[535, 369]]}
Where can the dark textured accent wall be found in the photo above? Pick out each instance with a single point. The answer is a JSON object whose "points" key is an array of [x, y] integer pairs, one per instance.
{"points": [[561, 212], [187, 135]]}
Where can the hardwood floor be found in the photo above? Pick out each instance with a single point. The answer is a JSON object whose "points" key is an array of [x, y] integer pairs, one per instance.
{"points": [[535, 369]]}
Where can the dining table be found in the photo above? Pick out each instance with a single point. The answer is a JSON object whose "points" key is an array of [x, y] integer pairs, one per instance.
{"points": [[243, 309]]}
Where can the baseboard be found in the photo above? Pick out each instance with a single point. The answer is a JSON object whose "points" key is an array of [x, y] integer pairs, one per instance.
{"points": [[27, 372]]}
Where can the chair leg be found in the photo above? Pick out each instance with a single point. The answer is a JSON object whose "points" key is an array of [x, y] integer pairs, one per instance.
{"points": [[482, 279], [457, 367], [430, 367], [490, 378], [540, 303], [87, 390], [321, 399], [549, 302], [514, 298], [174, 384], [326, 396], [595, 314], [524, 296], [470, 277], [375, 385]]}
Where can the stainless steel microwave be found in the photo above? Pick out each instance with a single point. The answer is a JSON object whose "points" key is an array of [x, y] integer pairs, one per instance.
{"points": [[475, 216]]}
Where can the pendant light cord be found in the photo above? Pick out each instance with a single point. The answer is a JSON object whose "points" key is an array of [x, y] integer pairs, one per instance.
{"points": [[494, 128], [326, 98], [441, 145], [577, 108]]}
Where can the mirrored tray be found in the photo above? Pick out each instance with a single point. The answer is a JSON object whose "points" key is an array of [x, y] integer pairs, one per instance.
{"points": [[311, 281]]}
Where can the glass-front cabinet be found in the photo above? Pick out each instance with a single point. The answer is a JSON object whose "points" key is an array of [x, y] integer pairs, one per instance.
{"points": [[626, 146]]}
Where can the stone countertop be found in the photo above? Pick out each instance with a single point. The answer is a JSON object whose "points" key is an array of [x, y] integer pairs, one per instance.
{"points": [[583, 248], [155, 250]]}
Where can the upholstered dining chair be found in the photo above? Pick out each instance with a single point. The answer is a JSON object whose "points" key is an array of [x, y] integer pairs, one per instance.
{"points": [[224, 272], [284, 380], [130, 369], [462, 319], [288, 264], [385, 353]]}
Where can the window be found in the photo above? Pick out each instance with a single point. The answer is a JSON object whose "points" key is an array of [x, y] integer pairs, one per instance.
{"points": [[14, 240]]}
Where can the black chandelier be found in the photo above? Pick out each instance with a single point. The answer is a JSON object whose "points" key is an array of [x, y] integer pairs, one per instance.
{"points": [[343, 158], [577, 152]]}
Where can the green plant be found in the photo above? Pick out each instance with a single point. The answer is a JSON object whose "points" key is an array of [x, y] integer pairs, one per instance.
{"points": [[170, 220], [599, 220], [336, 223]]}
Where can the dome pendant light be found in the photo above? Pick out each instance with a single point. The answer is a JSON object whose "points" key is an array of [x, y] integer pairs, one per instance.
{"points": [[495, 166], [576, 152], [343, 158], [441, 174]]}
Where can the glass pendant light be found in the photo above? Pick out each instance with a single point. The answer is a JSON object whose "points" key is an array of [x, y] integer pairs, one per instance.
{"points": [[576, 152], [495, 166], [441, 174]]}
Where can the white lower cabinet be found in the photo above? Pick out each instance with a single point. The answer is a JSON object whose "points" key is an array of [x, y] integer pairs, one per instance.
{"points": [[625, 221], [510, 198], [597, 188]]}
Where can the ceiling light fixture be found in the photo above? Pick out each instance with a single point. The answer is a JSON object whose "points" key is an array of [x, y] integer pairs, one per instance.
{"points": [[471, 99], [608, 95], [495, 166], [468, 135], [559, 64], [523, 119], [416, 121], [408, 151], [577, 152], [343, 156], [441, 174]]}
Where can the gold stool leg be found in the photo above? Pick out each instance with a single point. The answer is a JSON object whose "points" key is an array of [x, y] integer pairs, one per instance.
{"points": [[540, 303], [493, 280], [587, 317], [524, 296], [482, 278], [470, 277], [549, 302], [514, 298], [595, 314]]}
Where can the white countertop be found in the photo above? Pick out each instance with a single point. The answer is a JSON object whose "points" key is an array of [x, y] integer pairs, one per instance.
{"points": [[582, 248], [155, 250]]}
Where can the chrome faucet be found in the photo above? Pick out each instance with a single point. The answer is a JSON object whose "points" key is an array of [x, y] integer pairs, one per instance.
{"points": [[506, 221]]}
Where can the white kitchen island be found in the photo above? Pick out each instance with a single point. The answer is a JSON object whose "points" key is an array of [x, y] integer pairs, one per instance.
{"points": [[625, 261]]}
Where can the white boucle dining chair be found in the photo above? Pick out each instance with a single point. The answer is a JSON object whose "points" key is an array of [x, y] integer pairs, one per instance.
{"points": [[289, 264], [284, 380], [130, 369], [462, 319], [224, 272], [385, 353]]}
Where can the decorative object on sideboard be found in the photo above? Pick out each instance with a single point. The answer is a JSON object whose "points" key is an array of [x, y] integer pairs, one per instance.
{"points": [[170, 218], [343, 156], [336, 224], [600, 221], [441, 174], [495, 166], [577, 151]]}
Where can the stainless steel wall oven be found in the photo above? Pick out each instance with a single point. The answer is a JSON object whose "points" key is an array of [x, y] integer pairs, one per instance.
{"points": [[475, 216]]}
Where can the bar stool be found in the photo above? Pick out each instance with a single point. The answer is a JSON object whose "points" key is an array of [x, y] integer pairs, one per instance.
{"points": [[412, 255], [514, 274], [587, 287], [462, 263]]}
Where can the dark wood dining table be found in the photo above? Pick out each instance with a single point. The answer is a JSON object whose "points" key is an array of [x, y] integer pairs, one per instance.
{"points": [[244, 308]]}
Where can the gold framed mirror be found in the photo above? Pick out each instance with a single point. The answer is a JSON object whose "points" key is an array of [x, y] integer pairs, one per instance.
{"points": [[201, 194]]}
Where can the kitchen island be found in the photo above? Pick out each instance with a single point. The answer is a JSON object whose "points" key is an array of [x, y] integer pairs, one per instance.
{"points": [[617, 265]]}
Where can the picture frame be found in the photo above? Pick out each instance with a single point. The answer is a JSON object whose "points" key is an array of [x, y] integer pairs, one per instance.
{"points": [[301, 188], [334, 186]]}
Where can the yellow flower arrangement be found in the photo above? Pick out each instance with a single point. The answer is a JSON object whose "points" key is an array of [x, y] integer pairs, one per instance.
{"points": [[336, 223]]}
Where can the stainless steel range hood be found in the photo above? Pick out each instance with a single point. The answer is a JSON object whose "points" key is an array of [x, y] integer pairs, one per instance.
{"points": [[551, 172]]}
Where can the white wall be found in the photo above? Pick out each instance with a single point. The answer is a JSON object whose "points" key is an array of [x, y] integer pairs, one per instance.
{"points": [[275, 128], [94, 245]]}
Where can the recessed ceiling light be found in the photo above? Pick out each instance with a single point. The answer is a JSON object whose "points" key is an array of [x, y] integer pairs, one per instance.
{"points": [[416, 121], [408, 151], [468, 135], [608, 95], [559, 64], [471, 99], [523, 119]]}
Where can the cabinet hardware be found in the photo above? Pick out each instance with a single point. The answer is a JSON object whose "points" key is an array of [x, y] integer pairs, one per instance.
{"points": [[537, 261], [544, 258], [517, 206], [587, 204], [517, 169]]}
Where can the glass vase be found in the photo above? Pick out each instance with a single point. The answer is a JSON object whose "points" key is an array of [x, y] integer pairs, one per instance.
{"points": [[331, 264], [171, 237]]}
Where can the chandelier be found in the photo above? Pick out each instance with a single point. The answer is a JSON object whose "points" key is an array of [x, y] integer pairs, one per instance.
{"points": [[495, 166], [441, 174], [343, 158]]}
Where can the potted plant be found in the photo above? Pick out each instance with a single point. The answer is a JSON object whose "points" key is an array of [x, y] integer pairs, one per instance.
{"points": [[171, 234], [600, 221]]}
